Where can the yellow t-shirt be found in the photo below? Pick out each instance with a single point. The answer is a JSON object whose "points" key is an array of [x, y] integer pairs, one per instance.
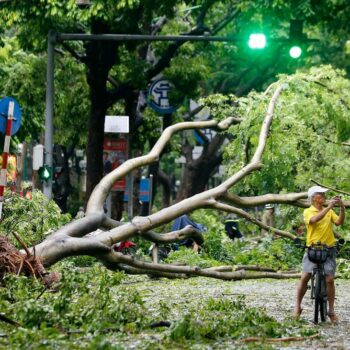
{"points": [[321, 230]]}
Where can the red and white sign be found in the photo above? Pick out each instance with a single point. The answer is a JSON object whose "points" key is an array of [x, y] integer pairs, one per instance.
{"points": [[115, 153]]}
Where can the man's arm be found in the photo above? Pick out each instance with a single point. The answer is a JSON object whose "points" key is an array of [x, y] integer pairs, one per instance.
{"points": [[323, 212], [341, 218]]}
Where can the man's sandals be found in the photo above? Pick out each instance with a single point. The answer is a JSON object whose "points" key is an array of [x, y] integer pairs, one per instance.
{"points": [[297, 313], [333, 317]]}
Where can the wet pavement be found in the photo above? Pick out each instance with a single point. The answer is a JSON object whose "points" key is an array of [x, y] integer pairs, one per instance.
{"points": [[276, 296]]}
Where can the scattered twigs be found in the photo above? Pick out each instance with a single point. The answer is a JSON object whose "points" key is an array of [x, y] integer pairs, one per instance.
{"points": [[277, 340], [41, 293]]}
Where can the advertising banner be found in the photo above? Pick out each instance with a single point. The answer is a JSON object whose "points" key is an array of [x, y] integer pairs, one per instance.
{"points": [[115, 152]]}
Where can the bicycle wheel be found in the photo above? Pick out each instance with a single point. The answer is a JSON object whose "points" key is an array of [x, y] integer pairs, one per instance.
{"points": [[323, 301], [318, 295]]}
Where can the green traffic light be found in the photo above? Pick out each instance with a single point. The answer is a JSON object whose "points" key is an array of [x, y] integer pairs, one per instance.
{"points": [[44, 173], [295, 52], [257, 41]]}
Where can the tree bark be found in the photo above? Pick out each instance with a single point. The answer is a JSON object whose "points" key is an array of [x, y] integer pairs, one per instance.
{"points": [[100, 57]]}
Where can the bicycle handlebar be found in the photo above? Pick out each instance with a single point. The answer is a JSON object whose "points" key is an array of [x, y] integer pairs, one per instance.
{"points": [[297, 241]]}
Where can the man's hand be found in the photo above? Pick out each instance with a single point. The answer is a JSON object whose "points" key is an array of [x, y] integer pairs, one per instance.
{"points": [[336, 200]]}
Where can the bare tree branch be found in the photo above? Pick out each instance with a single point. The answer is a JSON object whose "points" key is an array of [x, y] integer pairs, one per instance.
{"points": [[331, 188], [251, 218], [101, 191], [193, 271], [65, 242], [270, 198]]}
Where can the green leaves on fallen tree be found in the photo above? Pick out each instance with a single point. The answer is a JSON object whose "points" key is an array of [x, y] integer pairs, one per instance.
{"points": [[86, 304], [310, 122], [220, 318], [31, 219]]}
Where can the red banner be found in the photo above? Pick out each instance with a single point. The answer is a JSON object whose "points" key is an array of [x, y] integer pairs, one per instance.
{"points": [[115, 152]]}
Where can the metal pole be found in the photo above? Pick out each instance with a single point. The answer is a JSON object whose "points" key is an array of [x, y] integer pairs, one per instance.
{"points": [[51, 40], [136, 37], [130, 182], [150, 193]]}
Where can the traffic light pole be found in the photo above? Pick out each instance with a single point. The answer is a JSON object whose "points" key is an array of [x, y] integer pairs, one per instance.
{"points": [[54, 38], [49, 113]]}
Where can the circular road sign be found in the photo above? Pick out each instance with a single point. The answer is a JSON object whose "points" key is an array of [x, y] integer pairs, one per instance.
{"points": [[4, 109], [158, 96]]}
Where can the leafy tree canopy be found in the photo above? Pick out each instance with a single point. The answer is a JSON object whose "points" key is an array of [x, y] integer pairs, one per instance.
{"points": [[307, 134]]}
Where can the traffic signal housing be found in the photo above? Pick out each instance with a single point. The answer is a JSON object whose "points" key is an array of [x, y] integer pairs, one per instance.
{"points": [[295, 51], [257, 41], [45, 173], [296, 38]]}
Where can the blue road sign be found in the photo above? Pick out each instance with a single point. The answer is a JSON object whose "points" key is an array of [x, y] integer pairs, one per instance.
{"points": [[144, 194], [4, 108], [144, 191], [158, 98]]}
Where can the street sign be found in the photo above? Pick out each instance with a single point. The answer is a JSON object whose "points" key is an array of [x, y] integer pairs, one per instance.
{"points": [[144, 191], [4, 110], [145, 188], [158, 96], [117, 124]]}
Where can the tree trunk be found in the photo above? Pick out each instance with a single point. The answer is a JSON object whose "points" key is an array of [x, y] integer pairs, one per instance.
{"points": [[101, 56], [197, 172], [61, 185], [94, 150]]}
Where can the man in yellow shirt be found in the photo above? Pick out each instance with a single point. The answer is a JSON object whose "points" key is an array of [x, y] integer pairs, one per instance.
{"points": [[319, 221]]}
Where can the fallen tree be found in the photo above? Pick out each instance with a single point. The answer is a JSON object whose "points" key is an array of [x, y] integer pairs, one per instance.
{"points": [[96, 234]]}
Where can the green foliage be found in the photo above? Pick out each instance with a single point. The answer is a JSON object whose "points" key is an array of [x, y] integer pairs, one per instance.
{"points": [[97, 309], [23, 76], [86, 303], [279, 254], [213, 221], [218, 249], [189, 257], [240, 321], [311, 119], [31, 219]]}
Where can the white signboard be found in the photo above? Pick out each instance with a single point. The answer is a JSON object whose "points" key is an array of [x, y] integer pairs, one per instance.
{"points": [[117, 124], [196, 152], [38, 157]]}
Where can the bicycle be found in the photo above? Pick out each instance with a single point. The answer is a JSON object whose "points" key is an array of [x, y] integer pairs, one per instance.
{"points": [[318, 254]]}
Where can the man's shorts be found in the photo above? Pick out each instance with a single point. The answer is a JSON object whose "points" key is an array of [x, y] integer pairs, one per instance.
{"points": [[329, 266]]}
